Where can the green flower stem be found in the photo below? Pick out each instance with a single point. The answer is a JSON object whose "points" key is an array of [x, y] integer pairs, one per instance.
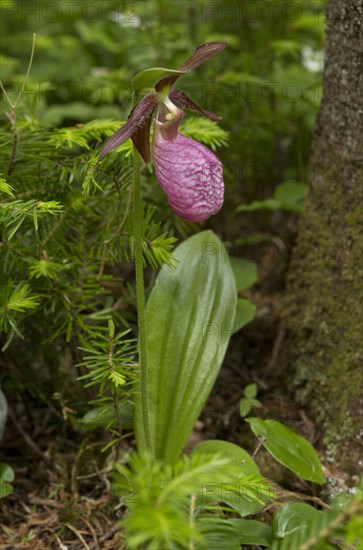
{"points": [[140, 296]]}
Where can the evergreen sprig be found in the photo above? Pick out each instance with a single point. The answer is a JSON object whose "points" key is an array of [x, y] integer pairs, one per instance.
{"points": [[109, 358], [161, 498], [14, 213], [15, 300], [206, 131]]}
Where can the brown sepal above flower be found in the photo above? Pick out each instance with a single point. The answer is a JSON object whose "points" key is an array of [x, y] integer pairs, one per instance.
{"points": [[200, 56], [183, 101], [137, 126]]}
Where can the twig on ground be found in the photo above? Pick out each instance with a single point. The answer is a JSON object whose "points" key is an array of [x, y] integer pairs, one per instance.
{"points": [[106, 536], [27, 439], [260, 442], [275, 351], [78, 535], [96, 545], [283, 494]]}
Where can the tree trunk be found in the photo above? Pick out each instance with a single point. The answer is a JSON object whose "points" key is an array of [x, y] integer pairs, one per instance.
{"points": [[324, 317]]}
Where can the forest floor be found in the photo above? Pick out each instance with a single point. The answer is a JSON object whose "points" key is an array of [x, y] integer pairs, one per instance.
{"points": [[62, 498]]}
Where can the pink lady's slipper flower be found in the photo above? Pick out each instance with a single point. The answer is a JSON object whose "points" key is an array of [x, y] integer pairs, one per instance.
{"points": [[188, 172]]}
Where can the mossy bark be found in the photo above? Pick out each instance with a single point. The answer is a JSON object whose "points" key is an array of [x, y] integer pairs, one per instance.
{"points": [[325, 304]]}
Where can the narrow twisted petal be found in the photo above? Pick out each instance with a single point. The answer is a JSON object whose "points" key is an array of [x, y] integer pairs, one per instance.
{"points": [[198, 57], [139, 117], [183, 101], [189, 173]]}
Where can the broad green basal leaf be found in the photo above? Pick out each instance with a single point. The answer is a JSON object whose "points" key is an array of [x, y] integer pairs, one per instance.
{"points": [[250, 531], [293, 516], [249, 492], [292, 450], [218, 533], [235, 454], [189, 316]]}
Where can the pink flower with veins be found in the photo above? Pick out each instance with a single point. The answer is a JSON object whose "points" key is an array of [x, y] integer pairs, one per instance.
{"points": [[188, 172]]}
